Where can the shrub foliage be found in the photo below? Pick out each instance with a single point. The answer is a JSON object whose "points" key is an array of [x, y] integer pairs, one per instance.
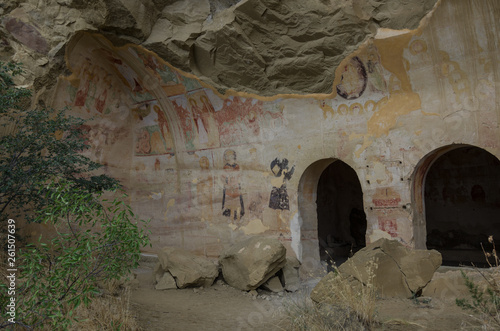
{"points": [[46, 179], [37, 146]]}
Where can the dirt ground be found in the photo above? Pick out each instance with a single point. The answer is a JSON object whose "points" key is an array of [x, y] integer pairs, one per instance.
{"points": [[222, 307], [219, 307]]}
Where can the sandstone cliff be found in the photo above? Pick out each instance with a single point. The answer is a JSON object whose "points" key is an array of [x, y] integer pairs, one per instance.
{"points": [[265, 47]]}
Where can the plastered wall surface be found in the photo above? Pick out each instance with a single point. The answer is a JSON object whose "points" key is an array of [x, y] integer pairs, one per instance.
{"points": [[210, 169]]}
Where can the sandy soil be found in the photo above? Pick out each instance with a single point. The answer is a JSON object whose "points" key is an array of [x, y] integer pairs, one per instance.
{"points": [[436, 315], [222, 307], [219, 307]]}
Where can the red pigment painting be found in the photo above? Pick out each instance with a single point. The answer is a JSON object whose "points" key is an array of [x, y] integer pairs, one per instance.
{"points": [[388, 225], [240, 119], [185, 122], [203, 117]]}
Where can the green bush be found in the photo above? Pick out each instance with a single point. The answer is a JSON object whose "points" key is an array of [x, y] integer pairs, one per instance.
{"points": [[96, 240], [485, 302], [36, 147], [46, 179]]}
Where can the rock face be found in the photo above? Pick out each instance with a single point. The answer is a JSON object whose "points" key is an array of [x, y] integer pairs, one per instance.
{"points": [[248, 264], [291, 274], [273, 284], [402, 104], [258, 46], [166, 282], [396, 270], [270, 47], [189, 270], [450, 285]]}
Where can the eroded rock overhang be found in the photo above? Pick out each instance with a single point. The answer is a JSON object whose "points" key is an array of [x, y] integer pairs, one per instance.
{"points": [[261, 47]]}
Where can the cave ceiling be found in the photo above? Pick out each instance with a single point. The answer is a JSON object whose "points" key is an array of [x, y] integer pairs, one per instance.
{"points": [[262, 47]]}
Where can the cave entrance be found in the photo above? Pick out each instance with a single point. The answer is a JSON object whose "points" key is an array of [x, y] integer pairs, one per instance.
{"points": [[341, 218], [462, 204]]}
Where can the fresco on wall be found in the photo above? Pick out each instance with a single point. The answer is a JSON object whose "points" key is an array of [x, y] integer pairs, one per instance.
{"points": [[154, 174], [375, 72], [418, 46], [388, 225], [232, 198], [171, 81], [150, 62], [98, 88], [231, 120], [457, 77], [363, 70], [169, 77], [203, 118], [102, 94], [356, 108], [85, 75], [386, 202], [185, 123], [353, 81], [279, 195], [240, 120], [153, 136], [149, 142], [204, 188], [190, 102], [128, 76], [94, 90], [236, 120], [190, 83], [98, 137]]}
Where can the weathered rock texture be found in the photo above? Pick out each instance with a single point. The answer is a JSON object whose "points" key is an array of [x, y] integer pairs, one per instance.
{"points": [[394, 270], [166, 282], [248, 264], [413, 117], [273, 284], [448, 285], [290, 274], [188, 269], [292, 46], [259, 46]]}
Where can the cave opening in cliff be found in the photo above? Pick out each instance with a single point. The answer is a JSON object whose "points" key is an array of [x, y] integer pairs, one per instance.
{"points": [[341, 218], [462, 205]]}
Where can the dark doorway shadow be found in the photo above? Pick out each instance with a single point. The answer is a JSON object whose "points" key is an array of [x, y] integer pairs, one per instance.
{"points": [[462, 205], [341, 217]]}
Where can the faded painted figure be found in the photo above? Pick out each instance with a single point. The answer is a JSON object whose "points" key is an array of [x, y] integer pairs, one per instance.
{"points": [[204, 188], [279, 195], [232, 199]]}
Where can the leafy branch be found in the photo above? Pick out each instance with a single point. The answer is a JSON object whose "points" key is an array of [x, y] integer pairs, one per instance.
{"points": [[46, 179]]}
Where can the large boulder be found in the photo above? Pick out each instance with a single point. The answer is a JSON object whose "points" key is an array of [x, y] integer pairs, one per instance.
{"points": [[248, 264], [394, 270], [189, 270], [450, 285]]}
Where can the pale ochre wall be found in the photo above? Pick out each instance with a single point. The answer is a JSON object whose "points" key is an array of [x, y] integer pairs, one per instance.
{"points": [[425, 89]]}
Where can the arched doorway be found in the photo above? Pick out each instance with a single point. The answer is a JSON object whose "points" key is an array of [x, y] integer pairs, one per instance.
{"points": [[341, 218], [318, 179], [460, 202]]}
